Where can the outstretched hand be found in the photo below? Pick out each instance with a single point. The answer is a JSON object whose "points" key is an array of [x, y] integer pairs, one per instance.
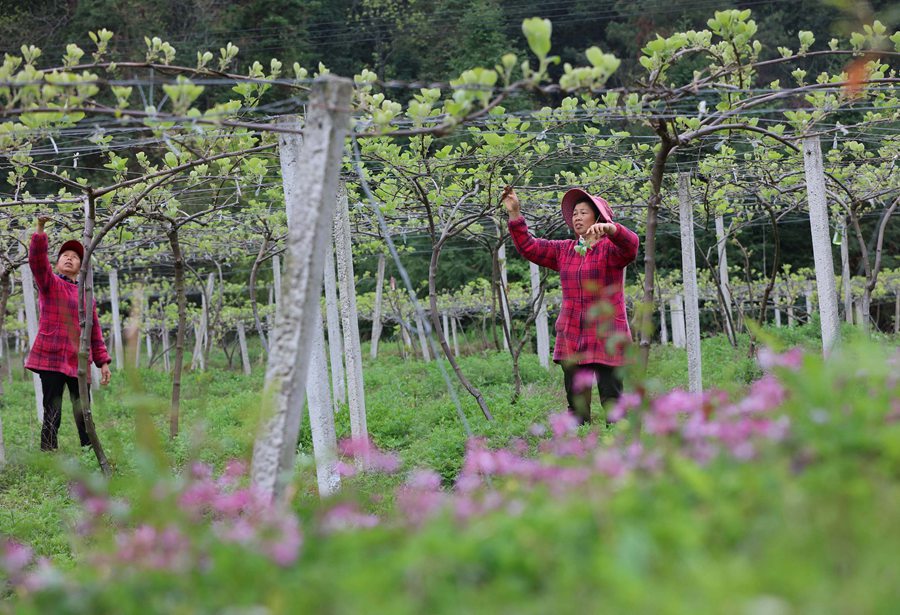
{"points": [[600, 230], [511, 202], [41, 222]]}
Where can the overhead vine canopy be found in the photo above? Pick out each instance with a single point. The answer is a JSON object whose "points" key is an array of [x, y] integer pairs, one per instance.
{"points": [[159, 140]]}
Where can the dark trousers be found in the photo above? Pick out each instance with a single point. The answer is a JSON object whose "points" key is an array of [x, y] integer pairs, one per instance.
{"points": [[578, 382], [53, 384]]}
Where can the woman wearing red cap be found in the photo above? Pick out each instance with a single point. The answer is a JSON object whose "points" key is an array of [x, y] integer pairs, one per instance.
{"points": [[54, 355], [592, 329]]}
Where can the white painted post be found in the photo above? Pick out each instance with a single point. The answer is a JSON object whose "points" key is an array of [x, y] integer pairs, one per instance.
{"points": [[164, 340], [20, 345], [446, 327], [818, 220], [423, 343], [197, 358], [376, 314], [31, 319], [456, 340], [242, 342], [333, 315], [792, 321], [691, 291], [676, 309], [663, 329], [504, 303], [118, 347], [270, 317], [310, 176], [540, 322], [356, 397], [407, 341], [276, 281], [148, 333], [807, 295], [776, 302], [321, 415], [861, 317]]}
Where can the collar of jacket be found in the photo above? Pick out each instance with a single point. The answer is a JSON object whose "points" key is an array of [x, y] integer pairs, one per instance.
{"points": [[65, 279]]}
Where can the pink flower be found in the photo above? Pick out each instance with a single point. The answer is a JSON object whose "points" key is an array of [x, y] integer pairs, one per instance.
{"points": [[537, 430], [770, 360], [583, 379], [562, 423], [284, 548], [347, 516], [765, 394], [371, 457], [200, 471], [235, 468], [424, 480], [14, 556], [421, 496], [625, 403]]}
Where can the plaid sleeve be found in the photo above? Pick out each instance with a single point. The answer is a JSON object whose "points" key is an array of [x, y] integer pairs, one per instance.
{"points": [[541, 252], [98, 347], [40, 262], [624, 246]]}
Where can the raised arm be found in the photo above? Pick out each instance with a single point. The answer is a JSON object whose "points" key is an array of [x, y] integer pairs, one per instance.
{"points": [[541, 252], [38, 260]]}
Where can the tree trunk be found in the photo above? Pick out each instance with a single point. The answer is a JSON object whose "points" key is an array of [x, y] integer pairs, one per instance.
{"points": [[653, 203], [436, 323], [180, 332], [504, 297], [846, 287], [86, 320]]}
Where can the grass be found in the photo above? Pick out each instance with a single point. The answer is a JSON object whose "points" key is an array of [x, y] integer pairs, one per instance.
{"points": [[408, 410]]}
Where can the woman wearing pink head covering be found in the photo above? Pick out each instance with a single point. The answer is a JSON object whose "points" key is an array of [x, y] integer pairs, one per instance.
{"points": [[592, 330]]}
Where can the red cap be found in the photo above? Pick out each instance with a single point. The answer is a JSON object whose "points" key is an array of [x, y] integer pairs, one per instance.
{"points": [[575, 196], [75, 246]]}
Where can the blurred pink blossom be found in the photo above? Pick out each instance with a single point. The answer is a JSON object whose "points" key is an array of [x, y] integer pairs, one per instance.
{"points": [[770, 360], [626, 403]]}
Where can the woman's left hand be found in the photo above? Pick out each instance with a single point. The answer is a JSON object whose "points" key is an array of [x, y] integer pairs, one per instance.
{"points": [[105, 374], [600, 230]]}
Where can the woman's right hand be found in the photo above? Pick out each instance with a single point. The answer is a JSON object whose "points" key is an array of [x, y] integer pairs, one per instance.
{"points": [[41, 221], [511, 202]]}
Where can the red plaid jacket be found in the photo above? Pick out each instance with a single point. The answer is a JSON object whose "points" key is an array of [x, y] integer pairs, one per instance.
{"points": [[56, 346], [592, 326]]}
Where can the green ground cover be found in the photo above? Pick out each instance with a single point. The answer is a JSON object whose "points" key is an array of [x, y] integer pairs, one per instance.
{"points": [[805, 525]]}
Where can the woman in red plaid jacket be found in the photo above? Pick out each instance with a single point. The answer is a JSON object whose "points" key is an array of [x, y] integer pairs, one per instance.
{"points": [[592, 330], [54, 355]]}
